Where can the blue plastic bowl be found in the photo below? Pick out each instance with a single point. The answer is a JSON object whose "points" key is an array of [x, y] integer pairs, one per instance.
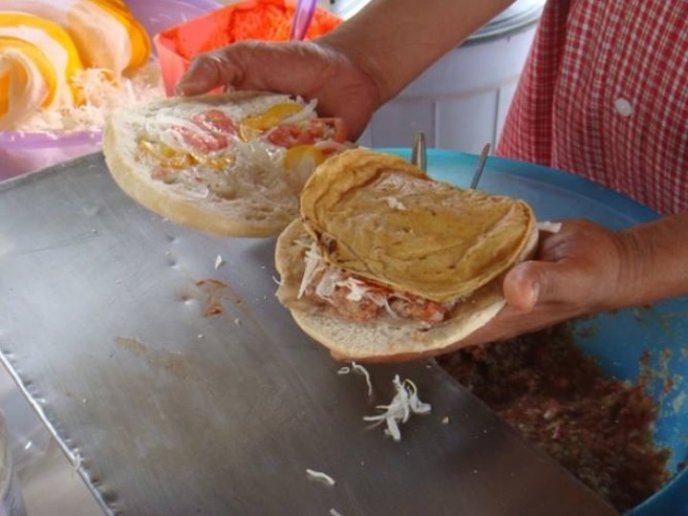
{"points": [[616, 341]]}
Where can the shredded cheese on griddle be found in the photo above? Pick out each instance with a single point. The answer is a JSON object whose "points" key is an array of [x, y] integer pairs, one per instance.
{"points": [[357, 368], [362, 370], [319, 475], [403, 405]]}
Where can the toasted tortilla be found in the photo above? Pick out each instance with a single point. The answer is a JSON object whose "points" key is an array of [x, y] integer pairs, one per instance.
{"points": [[381, 218]]}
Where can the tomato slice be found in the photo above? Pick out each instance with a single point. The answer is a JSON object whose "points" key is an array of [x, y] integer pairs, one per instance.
{"points": [[307, 132], [215, 120], [217, 133]]}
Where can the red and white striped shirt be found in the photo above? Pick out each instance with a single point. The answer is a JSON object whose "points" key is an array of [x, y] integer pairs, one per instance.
{"points": [[604, 94]]}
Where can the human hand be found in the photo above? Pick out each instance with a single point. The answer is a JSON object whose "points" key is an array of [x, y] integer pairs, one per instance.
{"points": [[309, 69], [582, 269]]}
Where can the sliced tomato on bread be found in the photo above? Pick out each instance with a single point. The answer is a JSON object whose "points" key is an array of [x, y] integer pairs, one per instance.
{"points": [[307, 132], [216, 131]]}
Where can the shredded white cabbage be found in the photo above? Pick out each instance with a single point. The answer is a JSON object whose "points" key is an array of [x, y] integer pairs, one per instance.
{"points": [[332, 145], [166, 128], [357, 289], [319, 475], [549, 227], [328, 282], [332, 278], [403, 405], [358, 368], [306, 113], [314, 264], [333, 512], [395, 203], [76, 459], [219, 262], [362, 370], [101, 96]]}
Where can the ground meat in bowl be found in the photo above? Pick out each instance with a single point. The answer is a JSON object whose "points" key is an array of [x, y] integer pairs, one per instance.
{"points": [[598, 428]]}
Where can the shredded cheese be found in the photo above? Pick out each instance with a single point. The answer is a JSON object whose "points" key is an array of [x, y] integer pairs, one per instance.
{"points": [[549, 227], [314, 265], [357, 368], [76, 460], [101, 95], [395, 203], [403, 405], [331, 278], [320, 476], [306, 113], [362, 370]]}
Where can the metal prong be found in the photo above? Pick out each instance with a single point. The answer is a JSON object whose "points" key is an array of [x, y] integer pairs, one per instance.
{"points": [[419, 153], [481, 165]]}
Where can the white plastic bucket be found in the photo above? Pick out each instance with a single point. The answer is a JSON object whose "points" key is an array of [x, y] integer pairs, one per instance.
{"points": [[461, 101]]}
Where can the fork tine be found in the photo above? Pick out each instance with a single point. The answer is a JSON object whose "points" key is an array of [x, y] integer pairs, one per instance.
{"points": [[481, 165], [419, 152]]}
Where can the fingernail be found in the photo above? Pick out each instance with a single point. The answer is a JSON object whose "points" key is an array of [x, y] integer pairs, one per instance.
{"points": [[534, 295]]}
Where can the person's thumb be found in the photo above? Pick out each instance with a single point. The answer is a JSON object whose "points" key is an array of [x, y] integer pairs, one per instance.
{"points": [[206, 72], [532, 282]]}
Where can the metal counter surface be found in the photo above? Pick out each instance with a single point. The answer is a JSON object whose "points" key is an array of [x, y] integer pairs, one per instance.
{"points": [[167, 408]]}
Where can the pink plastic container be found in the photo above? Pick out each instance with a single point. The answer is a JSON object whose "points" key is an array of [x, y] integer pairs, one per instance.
{"points": [[24, 152]]}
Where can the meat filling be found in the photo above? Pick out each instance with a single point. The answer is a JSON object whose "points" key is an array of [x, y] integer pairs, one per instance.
{"points": [[359, 300]]}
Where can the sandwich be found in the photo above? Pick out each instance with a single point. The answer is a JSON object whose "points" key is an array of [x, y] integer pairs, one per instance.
{"points": [[229, 165], [387, 264]]}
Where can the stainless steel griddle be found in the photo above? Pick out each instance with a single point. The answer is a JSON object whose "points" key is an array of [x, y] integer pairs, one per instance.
{"points": [[108, 321]]}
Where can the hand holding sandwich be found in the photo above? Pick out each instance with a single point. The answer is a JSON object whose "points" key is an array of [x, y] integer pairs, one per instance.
{"points": [[584, 269], [386, 264]]}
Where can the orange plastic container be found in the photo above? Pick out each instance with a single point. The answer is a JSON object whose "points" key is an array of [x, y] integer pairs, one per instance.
{"points": [[267, 20]]}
